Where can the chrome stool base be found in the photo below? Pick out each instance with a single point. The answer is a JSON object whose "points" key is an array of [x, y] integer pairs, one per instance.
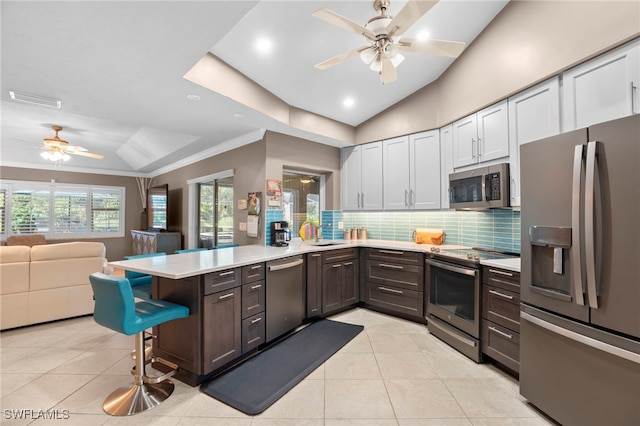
{"points": [[137, 398]]}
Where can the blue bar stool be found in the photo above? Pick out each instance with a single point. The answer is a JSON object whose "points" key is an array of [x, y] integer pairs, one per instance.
{"points": [[140, 283], [190, 250], [116, 308]]}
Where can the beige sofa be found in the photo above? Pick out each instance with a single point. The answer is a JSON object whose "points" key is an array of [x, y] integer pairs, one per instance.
{"points": [[47, 282]]}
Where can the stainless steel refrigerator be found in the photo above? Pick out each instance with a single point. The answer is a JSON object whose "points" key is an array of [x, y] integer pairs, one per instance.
{"points": [[580, 275]]}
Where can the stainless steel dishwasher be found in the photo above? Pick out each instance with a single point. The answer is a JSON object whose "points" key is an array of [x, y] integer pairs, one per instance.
{"points": [[284, 308]]}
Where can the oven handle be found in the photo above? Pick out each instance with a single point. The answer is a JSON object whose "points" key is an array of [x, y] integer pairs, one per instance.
{"points": [[452, 268]]}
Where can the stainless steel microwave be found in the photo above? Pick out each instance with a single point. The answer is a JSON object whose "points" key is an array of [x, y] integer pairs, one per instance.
{"points": [[481, 188]]}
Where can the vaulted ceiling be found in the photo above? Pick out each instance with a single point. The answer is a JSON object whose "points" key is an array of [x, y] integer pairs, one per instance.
{"points": [[118, 69]]}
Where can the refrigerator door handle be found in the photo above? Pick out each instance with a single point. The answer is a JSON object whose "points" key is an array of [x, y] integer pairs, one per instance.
{"points": [[580, 338], [590, 205], [576, 250]]}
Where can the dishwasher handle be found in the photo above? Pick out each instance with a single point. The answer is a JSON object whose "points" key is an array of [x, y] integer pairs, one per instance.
{"points": [[286, 265]]}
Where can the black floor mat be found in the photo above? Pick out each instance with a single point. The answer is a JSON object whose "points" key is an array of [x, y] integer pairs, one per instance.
{"points": [[257, 383]]}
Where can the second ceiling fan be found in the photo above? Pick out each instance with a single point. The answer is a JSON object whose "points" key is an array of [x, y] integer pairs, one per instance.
{"points": [[382, 53]]}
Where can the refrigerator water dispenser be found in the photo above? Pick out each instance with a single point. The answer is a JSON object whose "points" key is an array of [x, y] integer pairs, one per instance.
{"points": [[550, 258]]}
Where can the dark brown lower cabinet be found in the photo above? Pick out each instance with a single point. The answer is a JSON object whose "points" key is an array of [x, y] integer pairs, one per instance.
{"points": [[500, 328], [339, 285], [314, 285], [222, 329], [253, 332], [393, 281]]}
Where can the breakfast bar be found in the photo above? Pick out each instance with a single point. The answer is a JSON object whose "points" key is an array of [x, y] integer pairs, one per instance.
{"points": [[227, 293]]}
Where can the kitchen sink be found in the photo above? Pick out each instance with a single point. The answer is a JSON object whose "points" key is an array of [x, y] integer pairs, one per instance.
{"points": [[326, 243]]}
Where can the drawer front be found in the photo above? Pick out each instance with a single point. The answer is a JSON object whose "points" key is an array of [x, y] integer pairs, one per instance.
{"points": [[221, 280], [501, 306], [253, 298], [395, 299], [396, 275], [501, 344], [253, 332], [339, 255], [508, 280], [396, 256], [251, 273]]}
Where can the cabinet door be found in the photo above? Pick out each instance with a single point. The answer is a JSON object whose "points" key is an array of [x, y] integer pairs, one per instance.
{"points": [[602, 89], [314, 285], [351, 175], [396, 173], [424, 170], [533, 114], [371, 198], [493, 132], [446, 163], [332, 283], [465, 142], [350, 283], [222, 327]]}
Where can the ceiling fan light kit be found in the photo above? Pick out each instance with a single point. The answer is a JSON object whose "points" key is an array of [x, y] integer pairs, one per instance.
{"points": [[56, 149], [382, 54]]}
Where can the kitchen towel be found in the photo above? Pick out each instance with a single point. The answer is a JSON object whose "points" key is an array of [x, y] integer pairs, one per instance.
{"points": [[257, 383]]}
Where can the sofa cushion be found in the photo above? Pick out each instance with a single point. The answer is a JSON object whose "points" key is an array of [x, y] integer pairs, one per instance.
{"points": [[14, 269], [64, 264], [72, 250], [26, 240]]}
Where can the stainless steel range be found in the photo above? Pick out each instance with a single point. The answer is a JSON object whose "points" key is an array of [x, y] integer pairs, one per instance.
{"points": [[453, 296]]}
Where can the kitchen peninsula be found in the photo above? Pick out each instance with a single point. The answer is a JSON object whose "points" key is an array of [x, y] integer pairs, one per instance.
{"points": [[225, 292]]}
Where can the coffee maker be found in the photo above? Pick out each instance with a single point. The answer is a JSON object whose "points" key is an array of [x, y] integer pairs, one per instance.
{"points": [[280, 233]]}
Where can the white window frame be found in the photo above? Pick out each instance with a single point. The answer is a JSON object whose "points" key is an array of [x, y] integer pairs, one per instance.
{"points": [[193, 208], [52, 187]]}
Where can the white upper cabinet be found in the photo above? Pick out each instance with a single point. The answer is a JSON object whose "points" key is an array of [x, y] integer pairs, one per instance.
{"points": [[424, 170], [446, 163], [396, 175], [533, 114], [480, 137], [602, 89], [412, 172], [362, 177]]}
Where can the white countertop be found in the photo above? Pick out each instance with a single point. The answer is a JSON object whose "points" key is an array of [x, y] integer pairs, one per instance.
{"points": [[189, 264], [509, 264]]}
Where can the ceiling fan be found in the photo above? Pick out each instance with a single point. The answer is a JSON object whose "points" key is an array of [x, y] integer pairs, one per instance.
{"points": [[56, 149], [382, 53]]}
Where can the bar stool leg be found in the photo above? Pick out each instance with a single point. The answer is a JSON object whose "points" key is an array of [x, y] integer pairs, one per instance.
{"points": [[142, 395]]}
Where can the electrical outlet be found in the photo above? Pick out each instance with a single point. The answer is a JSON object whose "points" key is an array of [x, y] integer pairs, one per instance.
{"points": [[340, 225], [242, 226]]}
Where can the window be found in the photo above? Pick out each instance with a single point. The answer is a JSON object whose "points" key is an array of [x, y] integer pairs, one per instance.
{"points": [[61, 211], [301, 198], [211, 210]]}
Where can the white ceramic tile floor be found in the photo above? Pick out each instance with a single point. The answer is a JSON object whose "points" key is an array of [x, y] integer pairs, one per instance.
{"points": [[393, 373]]}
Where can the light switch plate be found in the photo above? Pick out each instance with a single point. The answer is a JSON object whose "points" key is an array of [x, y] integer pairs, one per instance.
{"points": [[242, 226]]}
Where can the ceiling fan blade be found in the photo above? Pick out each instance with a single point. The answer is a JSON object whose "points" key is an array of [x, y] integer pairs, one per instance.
{"points": [[410, 13], [347, 24], [87, 154], [452, 49], [388, 72], [340, 58], [75, 148]]}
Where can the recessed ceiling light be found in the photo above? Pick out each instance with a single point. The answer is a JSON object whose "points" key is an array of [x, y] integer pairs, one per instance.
{"points": [[35, 99], [349, 102], [239, 115], [423, 35], [263, 45], [193, 97]]}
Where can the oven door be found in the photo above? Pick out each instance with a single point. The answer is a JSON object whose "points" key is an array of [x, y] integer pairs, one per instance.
{"points": [[454, 295]]}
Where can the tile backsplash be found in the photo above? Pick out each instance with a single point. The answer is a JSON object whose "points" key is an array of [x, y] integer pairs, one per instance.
{"points": [[493, 229]]}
